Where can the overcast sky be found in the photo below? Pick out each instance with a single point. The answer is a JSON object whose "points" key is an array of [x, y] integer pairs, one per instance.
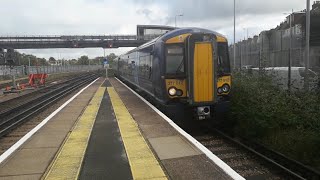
{"points": [[102, 17]]}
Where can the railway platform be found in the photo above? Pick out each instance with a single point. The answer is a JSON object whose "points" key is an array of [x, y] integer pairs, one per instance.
{"points": [[107, 131]]}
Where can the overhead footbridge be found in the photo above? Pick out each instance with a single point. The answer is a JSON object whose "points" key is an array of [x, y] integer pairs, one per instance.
{"points": [[144, 34]]}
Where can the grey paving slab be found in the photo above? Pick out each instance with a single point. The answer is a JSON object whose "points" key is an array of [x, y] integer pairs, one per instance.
{"points": [[22, 177], [59, 126], [47, 139], [194, 167], [35, 158], [77, 104], [145, 117], [157, 130], [72, 109], [172, 147], [65, 116]]}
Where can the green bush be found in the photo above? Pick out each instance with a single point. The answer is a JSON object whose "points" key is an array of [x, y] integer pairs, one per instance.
{"points": [[286, 122]]}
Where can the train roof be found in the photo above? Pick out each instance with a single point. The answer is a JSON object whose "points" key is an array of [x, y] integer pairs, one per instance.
{"points": [[175, 33], [180, 31]]}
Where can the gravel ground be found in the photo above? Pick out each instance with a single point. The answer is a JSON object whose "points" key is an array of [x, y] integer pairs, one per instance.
{"points": [[244, 163]]}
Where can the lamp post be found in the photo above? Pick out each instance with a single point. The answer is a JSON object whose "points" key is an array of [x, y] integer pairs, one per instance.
{"points": [[290, 49], [175, 19], [234, 34], [306, 79], [29, 65], [246, 44]]}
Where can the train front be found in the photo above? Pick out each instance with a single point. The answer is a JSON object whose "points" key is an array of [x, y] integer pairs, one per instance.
{"points": [[198, 72]]}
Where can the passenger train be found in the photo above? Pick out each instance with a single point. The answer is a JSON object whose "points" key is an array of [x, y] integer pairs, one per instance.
{"points": [[186, 68]]}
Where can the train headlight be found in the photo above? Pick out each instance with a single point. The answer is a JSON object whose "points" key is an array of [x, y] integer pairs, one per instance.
{"points": [[179, 92], [172, 91], [225, 88], [220, 91]]}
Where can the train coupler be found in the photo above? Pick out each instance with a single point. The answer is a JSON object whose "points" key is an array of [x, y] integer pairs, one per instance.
{"points": [[203, 112]]}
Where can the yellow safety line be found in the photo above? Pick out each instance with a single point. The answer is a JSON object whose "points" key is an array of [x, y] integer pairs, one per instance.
{"points": [[68, 162], [142, 162]]}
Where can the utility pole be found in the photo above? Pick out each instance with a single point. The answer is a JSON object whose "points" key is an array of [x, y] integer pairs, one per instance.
{"points": [[306, 78], [261, 53], [29, 65], [175, 19], [290, 55], [248, 46], [234, 34], [240, 55]]}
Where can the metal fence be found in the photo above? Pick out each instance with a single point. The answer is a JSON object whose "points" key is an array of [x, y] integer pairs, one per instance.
{"points": [[272, 49], [20, 71]]}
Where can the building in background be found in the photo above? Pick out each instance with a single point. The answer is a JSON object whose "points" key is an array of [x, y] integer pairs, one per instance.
{"points": [[271, 48]]}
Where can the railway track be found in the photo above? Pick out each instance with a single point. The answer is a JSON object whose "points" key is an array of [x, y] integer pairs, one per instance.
{"points": [[13, 117], [16, 101], [254, 161]]}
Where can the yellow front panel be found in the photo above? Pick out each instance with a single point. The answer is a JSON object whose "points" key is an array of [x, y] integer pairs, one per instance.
{"points": [[203, 73], [221, 39], [178, 39], [224, 80]]}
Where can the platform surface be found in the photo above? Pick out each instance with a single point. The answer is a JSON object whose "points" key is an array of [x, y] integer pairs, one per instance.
{"points": [[105, 139], [109, 133], [32, 159], [179, 158]]}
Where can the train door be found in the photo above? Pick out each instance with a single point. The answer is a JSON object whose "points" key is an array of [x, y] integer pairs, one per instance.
{"points": [[201, 69]]}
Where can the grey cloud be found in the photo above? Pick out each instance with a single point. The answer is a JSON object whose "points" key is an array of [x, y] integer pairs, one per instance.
{"points": [[38, 17], [215, 9], [145, 12]]}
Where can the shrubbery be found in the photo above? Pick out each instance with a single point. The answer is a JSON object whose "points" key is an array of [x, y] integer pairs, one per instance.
{"points": [[286, 122]]}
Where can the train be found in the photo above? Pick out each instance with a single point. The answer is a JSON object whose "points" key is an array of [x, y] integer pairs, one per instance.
{"points": [[186, 69]]}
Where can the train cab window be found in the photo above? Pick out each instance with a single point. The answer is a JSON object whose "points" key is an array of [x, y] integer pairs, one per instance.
{"points": [[174, 59], [223, 59]]}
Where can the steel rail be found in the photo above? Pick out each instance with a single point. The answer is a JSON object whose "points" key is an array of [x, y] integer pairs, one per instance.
{"points": [[289, 166], [11, 123], [27, 103]]}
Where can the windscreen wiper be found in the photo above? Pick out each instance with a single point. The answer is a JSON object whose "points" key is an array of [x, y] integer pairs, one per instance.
{"points": [[179, 67]]}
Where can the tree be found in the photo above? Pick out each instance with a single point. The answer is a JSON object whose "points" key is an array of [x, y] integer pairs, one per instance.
{"points": [[73, 61], [83, 60], [42, 61], [97, 60], [52, 60], [111, 56]]}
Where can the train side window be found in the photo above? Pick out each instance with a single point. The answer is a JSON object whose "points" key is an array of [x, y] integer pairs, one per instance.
{"points": [[150, 66], [142, 64]]}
